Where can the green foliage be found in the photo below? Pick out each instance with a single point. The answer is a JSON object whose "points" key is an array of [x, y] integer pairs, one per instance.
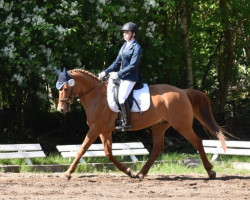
{"points": [[37, 36]]}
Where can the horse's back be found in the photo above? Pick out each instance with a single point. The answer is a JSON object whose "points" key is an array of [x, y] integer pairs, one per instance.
{"points": [[169, 95], [165, 89]]}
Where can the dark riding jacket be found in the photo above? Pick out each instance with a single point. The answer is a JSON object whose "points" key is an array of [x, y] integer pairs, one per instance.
{"points": [[127, 62]]}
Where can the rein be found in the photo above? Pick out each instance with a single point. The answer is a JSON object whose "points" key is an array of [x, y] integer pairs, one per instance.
{"points": [[72, 92], [90, 90]]}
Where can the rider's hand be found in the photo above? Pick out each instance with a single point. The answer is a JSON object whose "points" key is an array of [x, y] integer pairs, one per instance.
{"points": [[114, 75], [102, 75]]}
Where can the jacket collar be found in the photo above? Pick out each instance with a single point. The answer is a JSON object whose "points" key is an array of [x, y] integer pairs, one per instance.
{"points": [[129, 47]]}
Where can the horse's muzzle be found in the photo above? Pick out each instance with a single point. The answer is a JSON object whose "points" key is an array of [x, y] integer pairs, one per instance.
{"points": [[63, 108]]}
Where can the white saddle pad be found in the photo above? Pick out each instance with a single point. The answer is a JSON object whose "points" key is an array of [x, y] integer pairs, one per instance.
{"points": [[142, 97]]}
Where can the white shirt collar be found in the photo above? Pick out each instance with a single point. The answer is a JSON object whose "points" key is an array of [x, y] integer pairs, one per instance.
{"points": [[129, 43]]}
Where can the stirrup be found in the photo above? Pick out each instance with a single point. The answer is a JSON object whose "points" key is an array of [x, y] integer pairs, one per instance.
{"points": [[123, 127]]}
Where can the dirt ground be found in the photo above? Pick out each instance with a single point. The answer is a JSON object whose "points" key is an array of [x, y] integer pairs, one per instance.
{"points": [[26, 186]]}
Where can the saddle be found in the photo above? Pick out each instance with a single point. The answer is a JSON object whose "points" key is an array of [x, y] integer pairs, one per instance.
{"points": [[131, 98], [139, 98]]}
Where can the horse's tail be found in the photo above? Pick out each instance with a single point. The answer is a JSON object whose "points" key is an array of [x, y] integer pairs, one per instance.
{"points": [[203, 112]]}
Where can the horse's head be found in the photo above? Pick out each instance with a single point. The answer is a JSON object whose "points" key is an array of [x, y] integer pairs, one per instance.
{"points": [[65, 84]]}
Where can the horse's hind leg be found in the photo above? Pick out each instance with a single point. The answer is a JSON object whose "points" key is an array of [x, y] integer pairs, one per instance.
{"points": [[158, 132], [191, 136], [107, 143]]}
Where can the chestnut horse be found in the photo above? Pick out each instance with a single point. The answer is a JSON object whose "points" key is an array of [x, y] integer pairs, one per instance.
{"points": [[169, 106]]}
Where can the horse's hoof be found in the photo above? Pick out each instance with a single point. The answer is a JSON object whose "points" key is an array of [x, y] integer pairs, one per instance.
{"points": [[140, 176], [212, 175], [130, 173], [67, 175]]}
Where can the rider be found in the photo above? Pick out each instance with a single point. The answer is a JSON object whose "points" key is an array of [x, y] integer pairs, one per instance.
{"points": [[127, 65]]}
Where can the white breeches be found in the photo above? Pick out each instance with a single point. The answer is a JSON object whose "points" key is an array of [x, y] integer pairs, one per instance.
{"points": [[125, 89]]}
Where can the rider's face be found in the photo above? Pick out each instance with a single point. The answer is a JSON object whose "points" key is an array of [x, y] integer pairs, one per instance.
{"points": [[128, 35]]}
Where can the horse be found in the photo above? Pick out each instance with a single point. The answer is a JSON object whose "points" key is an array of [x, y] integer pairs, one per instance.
{"points": [[169, 106]]}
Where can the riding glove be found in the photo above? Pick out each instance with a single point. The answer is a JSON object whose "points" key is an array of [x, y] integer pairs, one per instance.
{"points": [[102, 75]]}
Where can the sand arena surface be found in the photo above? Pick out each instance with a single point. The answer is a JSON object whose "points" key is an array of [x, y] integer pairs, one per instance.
{"points": [[34, 186]]}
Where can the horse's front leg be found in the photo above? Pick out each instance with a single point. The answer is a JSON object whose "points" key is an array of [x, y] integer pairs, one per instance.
{"points": [[107, 143], [89, 139]]}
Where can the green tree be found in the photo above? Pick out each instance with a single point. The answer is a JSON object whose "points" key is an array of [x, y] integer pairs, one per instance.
{"points": [[37, 36]]}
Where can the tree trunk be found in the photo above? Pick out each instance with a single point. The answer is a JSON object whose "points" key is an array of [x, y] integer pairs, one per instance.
{"points": [[186, 43], [247, 39], [210, 63], [225, 63]]}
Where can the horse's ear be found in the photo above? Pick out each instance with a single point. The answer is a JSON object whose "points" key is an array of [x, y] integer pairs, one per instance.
{"points": [[67, 74], [58, 71], [64, 70]]}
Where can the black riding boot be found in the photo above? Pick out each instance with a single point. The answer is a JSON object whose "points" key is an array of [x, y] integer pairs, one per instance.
{"points": [[125, 117]]}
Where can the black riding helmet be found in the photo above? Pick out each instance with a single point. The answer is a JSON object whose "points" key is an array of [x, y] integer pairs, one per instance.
{"points": [[130, 26]]}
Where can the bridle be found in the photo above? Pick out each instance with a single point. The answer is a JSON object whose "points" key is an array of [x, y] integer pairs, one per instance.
{"points": [[70, 97]]}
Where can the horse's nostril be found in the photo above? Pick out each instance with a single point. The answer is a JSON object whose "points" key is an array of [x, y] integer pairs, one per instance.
{"points": [[62, 110]]}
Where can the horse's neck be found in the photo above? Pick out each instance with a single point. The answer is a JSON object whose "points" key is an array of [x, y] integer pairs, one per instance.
{"points": [[90, 89], [84, 82]]}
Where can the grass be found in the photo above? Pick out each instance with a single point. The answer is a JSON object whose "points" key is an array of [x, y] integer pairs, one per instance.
{"points": [[170, 164], [223, 164]]}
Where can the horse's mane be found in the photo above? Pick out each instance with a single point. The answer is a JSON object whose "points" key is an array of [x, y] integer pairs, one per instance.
{"points": [[85, 72]]}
